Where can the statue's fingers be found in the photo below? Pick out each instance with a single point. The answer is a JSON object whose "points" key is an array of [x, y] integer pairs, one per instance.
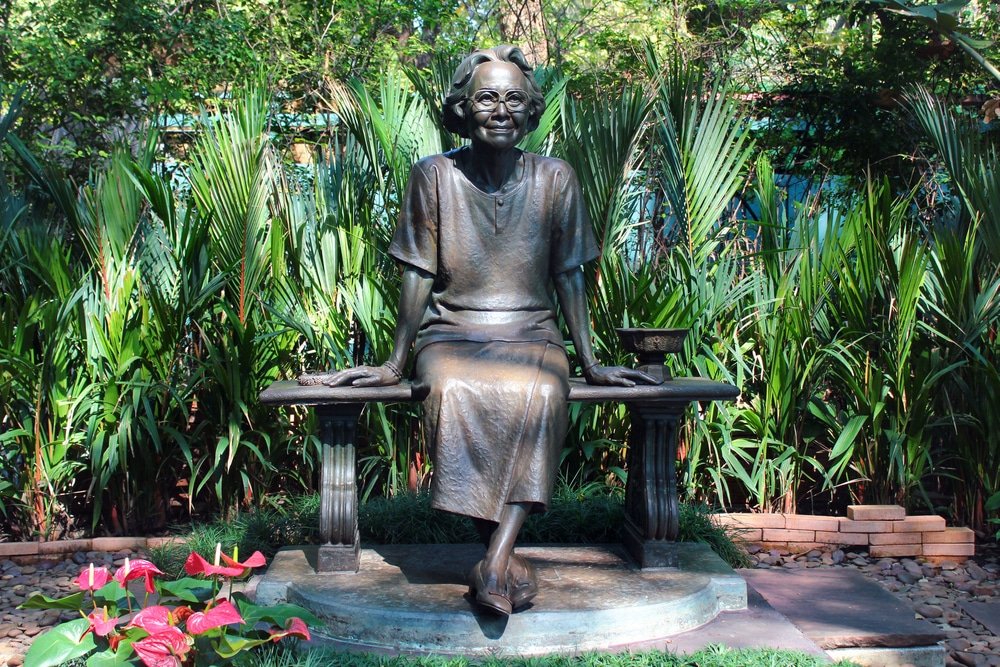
{"points": [[641, 376], [367, 381], [343, 377], [619, 377]]}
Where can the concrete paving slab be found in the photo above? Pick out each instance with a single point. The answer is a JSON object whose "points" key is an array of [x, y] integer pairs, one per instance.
{"points": [[410, 598], [987, 613], [842, 609], [757, 626]]}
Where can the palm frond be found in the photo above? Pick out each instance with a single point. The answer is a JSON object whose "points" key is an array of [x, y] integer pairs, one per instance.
{"points": [[542, 138], [232, 178], [705, 147], [603, 142]]}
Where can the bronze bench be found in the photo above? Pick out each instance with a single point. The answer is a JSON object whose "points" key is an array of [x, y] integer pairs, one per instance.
{"points": [[651, 505]]}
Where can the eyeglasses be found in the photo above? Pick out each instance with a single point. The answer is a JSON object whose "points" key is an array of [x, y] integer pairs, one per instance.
{"points": [[488, 100]]}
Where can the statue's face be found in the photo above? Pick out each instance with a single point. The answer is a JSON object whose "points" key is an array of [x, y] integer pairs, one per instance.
{"points": [[498, 105]]}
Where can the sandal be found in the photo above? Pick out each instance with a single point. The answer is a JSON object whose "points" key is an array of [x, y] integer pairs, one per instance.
{"points": [[522, 583], [494, 600]]}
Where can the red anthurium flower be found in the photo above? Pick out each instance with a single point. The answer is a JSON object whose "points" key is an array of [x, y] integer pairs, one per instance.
{"points": [[92, 579], [224, 613], [152, 619], [295, 627], [135, 569], [256, 560], [155, 618], [165, 648], [100, 623], [195, 564]]}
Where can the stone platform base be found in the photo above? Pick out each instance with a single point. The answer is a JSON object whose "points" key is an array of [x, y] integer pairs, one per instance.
{"points": [[410, 599], [916, 656]]}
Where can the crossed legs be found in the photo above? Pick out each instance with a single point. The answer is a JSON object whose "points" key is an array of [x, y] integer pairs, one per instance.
{"points": [[503, 581]]}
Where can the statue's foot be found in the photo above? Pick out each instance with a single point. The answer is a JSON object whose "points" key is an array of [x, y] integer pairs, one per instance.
{"points": [[522, 583], [487, 592]]}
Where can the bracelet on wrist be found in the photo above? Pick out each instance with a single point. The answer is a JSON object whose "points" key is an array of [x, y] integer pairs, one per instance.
{"points": [[589, 366], [393, 369]]}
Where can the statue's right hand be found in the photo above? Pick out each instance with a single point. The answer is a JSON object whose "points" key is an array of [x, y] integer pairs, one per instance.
{"points": [[363, 376]]}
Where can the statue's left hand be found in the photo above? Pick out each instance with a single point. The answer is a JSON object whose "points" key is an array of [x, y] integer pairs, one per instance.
{"points": [[617, 376], [362, 376]]}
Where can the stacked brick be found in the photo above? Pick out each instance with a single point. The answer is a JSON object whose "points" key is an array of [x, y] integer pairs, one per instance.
{"points": [[885, 530]]}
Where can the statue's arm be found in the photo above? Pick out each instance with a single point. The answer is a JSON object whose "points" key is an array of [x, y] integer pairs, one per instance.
{"points": [[414, 295], [571, 290]]}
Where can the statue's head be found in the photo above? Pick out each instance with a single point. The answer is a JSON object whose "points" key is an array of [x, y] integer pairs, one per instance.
{"points": [[460, 107]]}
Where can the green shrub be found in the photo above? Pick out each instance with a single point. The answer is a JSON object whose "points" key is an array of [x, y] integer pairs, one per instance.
{"points": [[582, 516]]}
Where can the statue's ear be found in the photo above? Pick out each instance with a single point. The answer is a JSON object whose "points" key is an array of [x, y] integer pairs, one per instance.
{"points": [[454, 119], [533, 121]]}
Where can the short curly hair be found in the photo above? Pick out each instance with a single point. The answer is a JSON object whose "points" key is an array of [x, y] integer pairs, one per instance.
{"points": [[453, 115]]}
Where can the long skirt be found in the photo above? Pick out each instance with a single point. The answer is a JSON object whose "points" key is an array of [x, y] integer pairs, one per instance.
{"points": [[495, 416]]}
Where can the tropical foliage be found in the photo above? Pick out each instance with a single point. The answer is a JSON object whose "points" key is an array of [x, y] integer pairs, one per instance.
{"points": [[144, 306]]}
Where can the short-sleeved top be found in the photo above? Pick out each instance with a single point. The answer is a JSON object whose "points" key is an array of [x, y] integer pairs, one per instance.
{"points": [[492, 255]]}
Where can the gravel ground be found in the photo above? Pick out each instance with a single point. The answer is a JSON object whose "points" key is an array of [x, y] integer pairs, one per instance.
{"points": [[54, 578], [934, 591]]}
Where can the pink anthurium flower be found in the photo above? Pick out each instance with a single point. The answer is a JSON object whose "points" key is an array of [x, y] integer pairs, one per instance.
{"points": [[135, 569], [155, 618], [295, 627], [165, 648], [224, 613], [195, 564], [100, 623], [92, 579], [256, 560]]}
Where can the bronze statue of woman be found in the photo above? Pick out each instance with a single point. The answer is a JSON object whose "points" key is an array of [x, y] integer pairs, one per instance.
{"points": [[485, 231]]}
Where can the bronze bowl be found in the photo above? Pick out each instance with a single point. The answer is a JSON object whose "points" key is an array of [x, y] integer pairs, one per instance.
{"points": [[652, 346]]}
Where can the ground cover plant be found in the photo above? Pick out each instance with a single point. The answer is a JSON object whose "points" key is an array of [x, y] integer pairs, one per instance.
{"points": [[582, 516], [710, 656], [146, 300]]}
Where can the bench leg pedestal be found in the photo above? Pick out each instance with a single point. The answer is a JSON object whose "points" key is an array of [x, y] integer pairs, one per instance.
{"points": [[651, 504], [338, 513], [652, 514]]}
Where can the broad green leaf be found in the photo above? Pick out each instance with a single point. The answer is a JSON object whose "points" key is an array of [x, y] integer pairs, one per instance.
{"points": [[993, 503], [114, 594], [73, 602], [109, 658], [277, 614], [230, 645], [188, 589], [61, 644]]}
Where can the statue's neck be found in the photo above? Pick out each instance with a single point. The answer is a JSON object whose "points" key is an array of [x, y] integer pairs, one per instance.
{"points": [[489, 169]]}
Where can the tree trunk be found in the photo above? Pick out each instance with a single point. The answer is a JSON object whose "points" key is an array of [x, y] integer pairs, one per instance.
{"points": [[523, 24]]}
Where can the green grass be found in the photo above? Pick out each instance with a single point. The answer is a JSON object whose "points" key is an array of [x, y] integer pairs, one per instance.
{"points": [[710, 656], [588, 515]]}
